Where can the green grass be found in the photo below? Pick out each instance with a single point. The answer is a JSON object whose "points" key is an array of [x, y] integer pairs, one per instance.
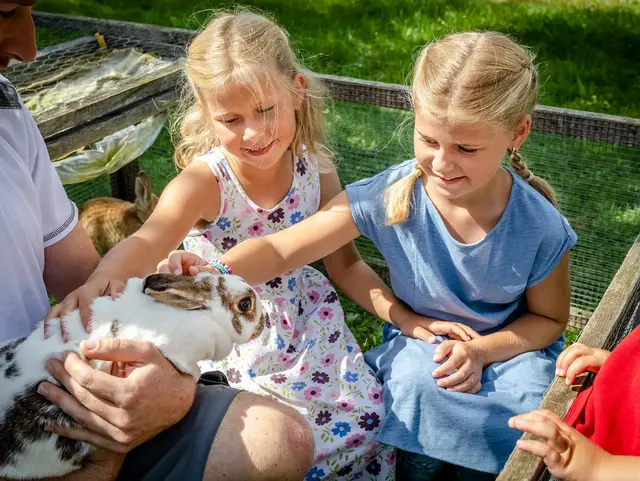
{"points": [[587, 49]]}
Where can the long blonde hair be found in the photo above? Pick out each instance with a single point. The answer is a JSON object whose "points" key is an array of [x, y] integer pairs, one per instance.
{"points": [[245, 49], [472, 77]]}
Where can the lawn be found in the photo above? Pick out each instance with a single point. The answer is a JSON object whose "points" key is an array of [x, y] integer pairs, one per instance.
{"points": [[587, 49], [587, 53]]}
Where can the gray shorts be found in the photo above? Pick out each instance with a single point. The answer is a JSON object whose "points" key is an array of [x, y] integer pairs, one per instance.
{"points": [[180, 453]]}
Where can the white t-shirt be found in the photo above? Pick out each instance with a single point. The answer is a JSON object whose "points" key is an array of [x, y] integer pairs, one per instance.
{"points": [[35, 213]]}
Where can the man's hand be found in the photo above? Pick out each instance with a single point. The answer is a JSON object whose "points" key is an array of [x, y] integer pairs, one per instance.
{"points": [[116, 413]]}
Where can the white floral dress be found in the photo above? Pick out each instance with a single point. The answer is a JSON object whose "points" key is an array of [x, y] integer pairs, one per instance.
{"points": [[306, 357]]}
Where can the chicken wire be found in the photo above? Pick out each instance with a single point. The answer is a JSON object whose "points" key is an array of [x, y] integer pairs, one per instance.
{"points": [[597, 184], [592, 161], [73, 66]]}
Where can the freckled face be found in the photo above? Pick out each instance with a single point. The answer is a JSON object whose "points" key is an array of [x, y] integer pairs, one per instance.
{"points": [[458, 159], [256, 127]]}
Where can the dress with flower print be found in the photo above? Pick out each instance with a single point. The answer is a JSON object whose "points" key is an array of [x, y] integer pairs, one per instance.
{"points": [[306, 357]]}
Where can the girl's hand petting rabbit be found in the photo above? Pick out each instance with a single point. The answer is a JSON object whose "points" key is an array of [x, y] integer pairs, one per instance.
{"points": [[413, 325]]}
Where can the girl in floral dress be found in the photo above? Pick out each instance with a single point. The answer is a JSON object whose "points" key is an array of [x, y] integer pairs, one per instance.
{"points": [[252, 137], [251, 146], [306, 356]]}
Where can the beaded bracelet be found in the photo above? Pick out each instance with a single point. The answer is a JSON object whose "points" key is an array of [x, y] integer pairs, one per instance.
{"points": [[220, 266]]}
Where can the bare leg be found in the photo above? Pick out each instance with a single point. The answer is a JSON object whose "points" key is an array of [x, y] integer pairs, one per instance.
{"points": [[260, 439]]}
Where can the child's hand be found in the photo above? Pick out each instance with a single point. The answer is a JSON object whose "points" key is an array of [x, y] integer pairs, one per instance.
{"points": [[579, 358], [467, 361], [567, 453], [184, 263], [426, 329], [81, 299]]}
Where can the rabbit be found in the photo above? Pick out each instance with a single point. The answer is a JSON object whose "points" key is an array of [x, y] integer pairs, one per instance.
{"points": [[108, 220], [189, 319]]}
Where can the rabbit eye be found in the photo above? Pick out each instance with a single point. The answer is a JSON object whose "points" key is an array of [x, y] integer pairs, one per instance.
{"points": [[245, 304]]}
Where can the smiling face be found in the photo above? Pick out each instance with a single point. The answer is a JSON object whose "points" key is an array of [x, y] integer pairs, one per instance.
{"points": [[460, 159], [258, 125], [17, 32]]}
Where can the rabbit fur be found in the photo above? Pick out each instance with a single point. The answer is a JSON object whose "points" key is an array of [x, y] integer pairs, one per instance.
{"points": [[188, 319], [108, 220]]}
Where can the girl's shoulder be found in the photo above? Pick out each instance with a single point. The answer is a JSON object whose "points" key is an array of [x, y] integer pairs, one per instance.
{"points": [[533, 212], [214, 158], [366, 197], [385, 178], [535, 232]]}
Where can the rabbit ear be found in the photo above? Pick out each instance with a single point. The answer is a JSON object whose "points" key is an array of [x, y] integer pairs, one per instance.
{"points": [[179, 291], [143, 192]]}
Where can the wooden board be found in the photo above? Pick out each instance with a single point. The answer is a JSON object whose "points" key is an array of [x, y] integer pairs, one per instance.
{"points": [[96, 130], [84, 119], [77, 113]]}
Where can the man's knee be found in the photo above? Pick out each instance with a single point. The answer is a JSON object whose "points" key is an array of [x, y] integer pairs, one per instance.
{"points": [[295, 437], [260, 439]]}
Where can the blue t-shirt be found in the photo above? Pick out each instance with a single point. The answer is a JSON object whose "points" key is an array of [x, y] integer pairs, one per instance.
{"points": [[480, 284]]}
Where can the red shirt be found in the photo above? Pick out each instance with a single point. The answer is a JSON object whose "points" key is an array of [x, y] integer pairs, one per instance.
{"points": [[608, 412]]}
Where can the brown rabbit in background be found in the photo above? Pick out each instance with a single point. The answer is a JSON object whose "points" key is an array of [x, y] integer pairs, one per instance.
{"points": [[108, 220]]}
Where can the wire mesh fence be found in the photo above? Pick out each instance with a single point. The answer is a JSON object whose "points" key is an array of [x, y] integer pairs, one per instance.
{"points": [[592, 161], [597, 183]]}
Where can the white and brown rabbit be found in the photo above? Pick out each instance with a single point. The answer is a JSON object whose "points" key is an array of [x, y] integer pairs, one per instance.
{"points": [[189, 319], [108, 220]]}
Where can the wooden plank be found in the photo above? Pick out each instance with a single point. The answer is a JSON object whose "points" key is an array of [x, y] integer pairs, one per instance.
{"points": [[77, 113], [610, 317], [96, 130]]}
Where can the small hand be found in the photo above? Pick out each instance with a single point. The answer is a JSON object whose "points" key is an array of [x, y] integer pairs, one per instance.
{"points": [[567, 453], [579, 358], [426, 329], [185, 263], [466, 359], [81, 299]]}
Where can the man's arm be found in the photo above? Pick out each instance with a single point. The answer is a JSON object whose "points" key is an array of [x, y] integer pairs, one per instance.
{"points": [[69, 262]]}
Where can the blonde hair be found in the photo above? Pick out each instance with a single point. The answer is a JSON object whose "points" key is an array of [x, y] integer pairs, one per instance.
{"points": [[246, 49], [472, 77]]}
